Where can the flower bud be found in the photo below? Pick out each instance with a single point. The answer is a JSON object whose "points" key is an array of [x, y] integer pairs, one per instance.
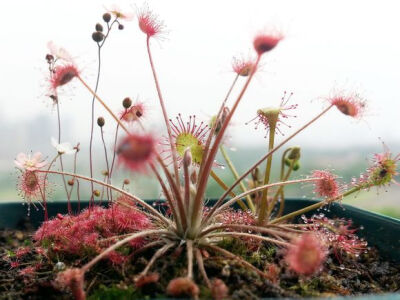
{"points": [[99, 27], [96, 193], [107, 17], [127, 102], [294, 153], [97, 36], [100, 121], [187, 158], [126, 181], [71, 182], [193, 177]]}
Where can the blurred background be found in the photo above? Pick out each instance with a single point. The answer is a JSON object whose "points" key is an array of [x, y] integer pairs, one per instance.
{"points": [[328, 45]]}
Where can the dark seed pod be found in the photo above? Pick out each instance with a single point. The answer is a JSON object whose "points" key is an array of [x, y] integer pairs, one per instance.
{"points": [[49, 58], [107, 17], [97, 36], [100, 121], [120, 26], [127, 102], [99, 27]]}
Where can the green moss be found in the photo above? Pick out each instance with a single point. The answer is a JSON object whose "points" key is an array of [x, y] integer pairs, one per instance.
{"points": [[115, 292]]}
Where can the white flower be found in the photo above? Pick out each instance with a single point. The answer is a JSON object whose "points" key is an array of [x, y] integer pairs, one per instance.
{"points": [[59, 52], [63, 148], [120, 14]]}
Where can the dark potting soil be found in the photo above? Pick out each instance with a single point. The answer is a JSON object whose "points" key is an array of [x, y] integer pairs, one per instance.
{"points": [[32, 277]]}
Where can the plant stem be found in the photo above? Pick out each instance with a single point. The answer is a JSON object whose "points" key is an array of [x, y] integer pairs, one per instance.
{"points": [[109, 193], [236, 176], [114, 150], [92, 120], [270, 153], [281, 188], [264, 198], [104, 105], [203, 177], [225, 187], [214, 127], [118, 244], [314, 206], [61, 162], [164, 111]]}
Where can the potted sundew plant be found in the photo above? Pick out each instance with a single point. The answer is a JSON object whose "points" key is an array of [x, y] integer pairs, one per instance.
{"points": [[243, 245]]}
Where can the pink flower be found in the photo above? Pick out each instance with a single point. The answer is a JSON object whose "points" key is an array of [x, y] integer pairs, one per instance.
{"points": [[327, 185], [120, 14], [149, 23], [266, 42], [351, 105], [28, 162], [136, 151], [242, 66], [62, 75], [306, 254]]}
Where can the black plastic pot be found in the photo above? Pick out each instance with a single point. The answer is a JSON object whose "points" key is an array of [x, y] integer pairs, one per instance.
{"points": [[380, 231]]}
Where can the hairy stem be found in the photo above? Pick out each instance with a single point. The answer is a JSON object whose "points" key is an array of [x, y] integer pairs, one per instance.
{"points": [[189, 248], [249, 235], [237, 258], [202, 269], [314, 206], [164, 111], [160, 252], [120, 243], [203, 177], [216, 123]]}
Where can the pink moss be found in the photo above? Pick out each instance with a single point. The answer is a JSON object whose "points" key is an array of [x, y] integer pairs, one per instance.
{"points": [[83, 233]]}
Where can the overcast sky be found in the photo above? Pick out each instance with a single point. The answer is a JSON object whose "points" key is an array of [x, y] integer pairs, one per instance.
{"points": [[328, 44]]}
